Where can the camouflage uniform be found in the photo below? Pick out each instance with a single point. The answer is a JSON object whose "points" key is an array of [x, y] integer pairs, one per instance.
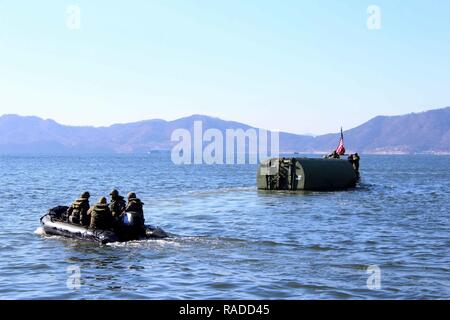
{"points": [[135, 206], [77, 212], [117, 204], [356, 162], [101, 217]]}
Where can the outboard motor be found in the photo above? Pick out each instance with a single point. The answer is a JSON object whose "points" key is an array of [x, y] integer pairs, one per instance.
{"points": [[132, 219], [132, 226]]}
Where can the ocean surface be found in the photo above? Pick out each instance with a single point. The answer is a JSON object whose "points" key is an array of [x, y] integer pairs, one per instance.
{"points": [[387, 239]]}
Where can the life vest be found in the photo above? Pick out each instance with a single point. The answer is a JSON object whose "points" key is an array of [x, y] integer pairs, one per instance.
{"points": [[79, 207], [100, 217], [117, 206], [134, 213]]}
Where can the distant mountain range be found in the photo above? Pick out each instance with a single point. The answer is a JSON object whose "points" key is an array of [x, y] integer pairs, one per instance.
{"points": [[425, 132]]}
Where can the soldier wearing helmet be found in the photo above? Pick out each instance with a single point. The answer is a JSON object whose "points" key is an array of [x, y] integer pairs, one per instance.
{"points": [[117, 204], [101, 217], [354, 160], [77, 212], [135, 211]]}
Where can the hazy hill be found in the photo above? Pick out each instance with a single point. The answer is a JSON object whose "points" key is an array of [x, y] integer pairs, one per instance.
{"points": [[426, 132]]}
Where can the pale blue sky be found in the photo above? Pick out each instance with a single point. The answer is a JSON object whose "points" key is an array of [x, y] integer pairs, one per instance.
{"points": [[298, 66]]}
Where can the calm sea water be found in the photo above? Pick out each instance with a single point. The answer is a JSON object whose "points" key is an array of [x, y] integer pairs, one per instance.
{"points": [[229, 240]]}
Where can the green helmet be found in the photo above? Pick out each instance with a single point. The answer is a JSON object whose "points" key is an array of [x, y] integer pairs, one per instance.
{"points": [[131, 195], [85, 195], [114, 193], [102, 200]]}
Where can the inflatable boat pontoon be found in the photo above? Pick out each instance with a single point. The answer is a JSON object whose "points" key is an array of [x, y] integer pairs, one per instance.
{"points": [[54, 224]]}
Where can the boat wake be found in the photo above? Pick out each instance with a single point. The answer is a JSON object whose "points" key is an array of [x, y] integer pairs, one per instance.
{"points": [[40, 231]]}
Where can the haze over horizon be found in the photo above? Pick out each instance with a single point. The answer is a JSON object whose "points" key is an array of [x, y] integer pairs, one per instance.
{"points": [[209, 116], [297, 66], [424, 133]]}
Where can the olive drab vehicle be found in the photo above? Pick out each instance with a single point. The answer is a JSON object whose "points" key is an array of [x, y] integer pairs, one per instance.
{"points": [[277, 174], [306, 174]]}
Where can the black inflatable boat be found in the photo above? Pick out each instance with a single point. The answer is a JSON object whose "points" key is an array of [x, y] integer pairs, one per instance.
{"points": [[53, 223]]}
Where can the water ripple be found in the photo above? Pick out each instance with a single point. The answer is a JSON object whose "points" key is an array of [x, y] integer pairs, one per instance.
{"points": [[228, 239]]}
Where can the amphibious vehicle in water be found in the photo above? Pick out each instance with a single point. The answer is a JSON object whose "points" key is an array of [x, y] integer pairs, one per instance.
{"points": [[306, 174], [319, 174], [54, 223]]}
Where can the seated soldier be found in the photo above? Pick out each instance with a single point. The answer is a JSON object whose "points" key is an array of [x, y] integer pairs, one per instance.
{"points": [[135, 210], [117, 205], [77, 212], [100, 214]]}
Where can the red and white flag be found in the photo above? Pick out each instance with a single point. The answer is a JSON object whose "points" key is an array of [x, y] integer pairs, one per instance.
{"points": [[340, 150]]}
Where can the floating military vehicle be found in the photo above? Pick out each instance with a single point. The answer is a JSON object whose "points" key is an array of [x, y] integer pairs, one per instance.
{"points": [[306, 174], [54, 224]]}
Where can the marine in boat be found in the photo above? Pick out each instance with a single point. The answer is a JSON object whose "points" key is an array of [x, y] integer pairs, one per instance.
{"points": [[103, 223]]}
